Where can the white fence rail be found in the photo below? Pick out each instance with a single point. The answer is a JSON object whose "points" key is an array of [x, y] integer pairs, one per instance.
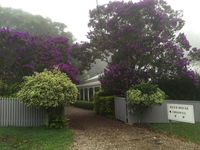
{"points": [[14, 113]]}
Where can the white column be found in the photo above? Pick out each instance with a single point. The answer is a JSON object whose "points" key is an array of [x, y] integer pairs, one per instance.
{"points": [[79, 94], [93, 90]]}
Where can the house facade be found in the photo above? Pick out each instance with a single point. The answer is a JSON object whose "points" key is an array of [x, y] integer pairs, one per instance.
{"points": [[88, 88]]}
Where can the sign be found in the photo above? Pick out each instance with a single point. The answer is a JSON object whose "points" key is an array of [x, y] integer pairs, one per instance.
{"points": [[182, 113]]}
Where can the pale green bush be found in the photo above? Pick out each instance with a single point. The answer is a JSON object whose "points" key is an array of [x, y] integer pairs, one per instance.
{"points": [[145, 94], [47, 89]]}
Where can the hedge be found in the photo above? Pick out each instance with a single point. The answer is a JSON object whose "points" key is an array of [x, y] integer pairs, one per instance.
{"points": [[104, 105], [84, 104]]}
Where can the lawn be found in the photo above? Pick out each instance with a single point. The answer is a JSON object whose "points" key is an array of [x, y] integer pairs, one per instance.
{"points": [[186, 130], [35, 139]]}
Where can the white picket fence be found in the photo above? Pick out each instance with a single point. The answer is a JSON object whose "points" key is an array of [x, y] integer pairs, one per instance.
{"points": [[15, 113]]}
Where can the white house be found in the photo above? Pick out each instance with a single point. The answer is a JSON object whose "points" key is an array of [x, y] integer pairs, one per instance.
{"points": [[88, 87]]}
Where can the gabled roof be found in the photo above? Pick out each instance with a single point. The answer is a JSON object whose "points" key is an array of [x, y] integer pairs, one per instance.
{"points": [[95, 78], [90, 84], [94, 81]]}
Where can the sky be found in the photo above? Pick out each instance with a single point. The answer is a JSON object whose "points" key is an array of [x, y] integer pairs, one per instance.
{"points": [[75, 14]]}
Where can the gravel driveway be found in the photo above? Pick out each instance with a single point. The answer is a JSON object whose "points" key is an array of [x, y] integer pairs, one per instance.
{"points": [[93, 132]]}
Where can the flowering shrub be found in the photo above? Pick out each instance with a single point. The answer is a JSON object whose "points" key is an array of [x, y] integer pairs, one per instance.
{"points": [[47, 89], [144, 95]]}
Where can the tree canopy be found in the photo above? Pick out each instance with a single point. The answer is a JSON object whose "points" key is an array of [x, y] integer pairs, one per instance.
{"points": [[21, 54], [143, 36], [34, 24], [144, 41]]}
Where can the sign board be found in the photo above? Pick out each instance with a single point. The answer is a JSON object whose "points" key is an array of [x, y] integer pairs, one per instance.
{"points": [[182, 113]]}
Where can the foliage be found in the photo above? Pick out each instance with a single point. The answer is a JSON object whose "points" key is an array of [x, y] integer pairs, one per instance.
{"points": [[195, 54], [34, 24], [3, 88], [118, 79], [44, 44], [21, 54], [82, 56], [8, 90], [47, 89], [35, 138], [84, 104], [56, 118], [103, 105], [144, 95], [58, 122], [142, 36], [12, 89], [181, 88]]}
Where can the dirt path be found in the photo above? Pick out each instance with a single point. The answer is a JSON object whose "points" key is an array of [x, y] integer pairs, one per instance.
{"points": [[93, 132]]}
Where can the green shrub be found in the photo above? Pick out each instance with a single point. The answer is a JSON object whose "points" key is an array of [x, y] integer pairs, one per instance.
{"points": [[103, 105], [181, 88], [58, 122], [47, 89], [144, 95], [56, 117], [84, 104], [8, 90], [3, 88]]}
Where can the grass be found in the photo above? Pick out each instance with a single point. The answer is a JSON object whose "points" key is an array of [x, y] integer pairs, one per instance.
{"points": [[35, 139], [186, 130]]}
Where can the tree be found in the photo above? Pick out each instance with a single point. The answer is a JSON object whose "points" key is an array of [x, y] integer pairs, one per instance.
{"points": [[21, 54], [141, 36], [82, 56], [40, 29], [17, 19]]}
